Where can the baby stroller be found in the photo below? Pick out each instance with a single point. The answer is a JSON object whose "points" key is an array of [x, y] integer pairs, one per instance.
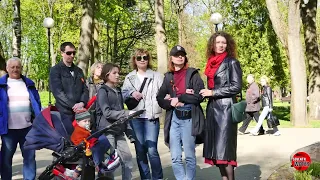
{"points": [[49, 132]]}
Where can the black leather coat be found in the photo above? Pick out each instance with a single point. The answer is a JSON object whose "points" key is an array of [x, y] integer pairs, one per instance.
{"points": [[266, 96], [221, 133]]}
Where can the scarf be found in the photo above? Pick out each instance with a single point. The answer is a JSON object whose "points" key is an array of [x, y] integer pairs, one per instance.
{"points": [[212, 66]]}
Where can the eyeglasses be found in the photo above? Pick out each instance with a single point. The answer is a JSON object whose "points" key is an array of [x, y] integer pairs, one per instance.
{"points": [[70, 52], [178, 55], [139, 58]]}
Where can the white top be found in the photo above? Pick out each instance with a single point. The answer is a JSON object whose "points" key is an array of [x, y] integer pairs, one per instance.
{"points": [[19, 105], [141, 78]]}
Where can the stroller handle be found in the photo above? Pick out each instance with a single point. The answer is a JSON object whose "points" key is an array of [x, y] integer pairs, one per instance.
{"points": [[121, 121]]}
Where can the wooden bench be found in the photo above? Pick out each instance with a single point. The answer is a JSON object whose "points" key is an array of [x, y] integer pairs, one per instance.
{"points": [[286, 99]]}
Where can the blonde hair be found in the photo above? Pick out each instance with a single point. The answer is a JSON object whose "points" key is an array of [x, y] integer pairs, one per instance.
{"points": [[265, 78], [94, 66]]}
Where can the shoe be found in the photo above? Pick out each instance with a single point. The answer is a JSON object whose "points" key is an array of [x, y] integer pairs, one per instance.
{"points": [[254, 134], [277, 133], [240, 133], [261, 133], [113, 161]]}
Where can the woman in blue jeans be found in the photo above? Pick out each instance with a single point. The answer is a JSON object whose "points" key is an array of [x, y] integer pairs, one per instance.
{"points": [[146, 127], [184, 122]]}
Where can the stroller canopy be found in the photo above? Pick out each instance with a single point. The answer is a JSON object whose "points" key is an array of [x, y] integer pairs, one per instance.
{"points": [[47, 131]]}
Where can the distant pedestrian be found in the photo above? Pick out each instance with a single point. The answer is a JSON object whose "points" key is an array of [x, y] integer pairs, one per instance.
{"points": [[267, 104], [253, 105]]}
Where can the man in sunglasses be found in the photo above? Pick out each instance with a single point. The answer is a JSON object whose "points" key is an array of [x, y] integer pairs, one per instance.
{"points": [[68, 86]]}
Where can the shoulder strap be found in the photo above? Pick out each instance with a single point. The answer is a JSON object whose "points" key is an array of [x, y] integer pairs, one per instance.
{"points": [[228, 76], [143, 84]]}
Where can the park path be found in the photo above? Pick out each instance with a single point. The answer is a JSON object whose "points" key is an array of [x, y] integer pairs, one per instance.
{"points": [[258, 156]]}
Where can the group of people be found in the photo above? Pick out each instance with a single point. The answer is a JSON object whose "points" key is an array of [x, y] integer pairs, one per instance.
{"points": [[180, 92], [254, 101]]}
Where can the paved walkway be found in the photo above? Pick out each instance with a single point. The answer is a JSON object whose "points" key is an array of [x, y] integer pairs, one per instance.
{"points": [[258, 156]]}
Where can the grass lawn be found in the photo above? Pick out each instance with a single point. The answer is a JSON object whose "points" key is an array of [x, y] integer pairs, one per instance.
{"points": [[281, 110]]}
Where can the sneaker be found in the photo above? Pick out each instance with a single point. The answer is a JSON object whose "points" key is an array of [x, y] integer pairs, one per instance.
{"points": [[240, 133], [254, 134], [277, 133], [113, 161]]}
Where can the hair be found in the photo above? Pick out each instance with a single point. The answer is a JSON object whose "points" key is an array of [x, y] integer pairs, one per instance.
{"points": [[94, 66], [65, 44], [250, 75], [137, 52], [231, 44], [265, 78], [171, 65], [13, 59], [106, 70]]}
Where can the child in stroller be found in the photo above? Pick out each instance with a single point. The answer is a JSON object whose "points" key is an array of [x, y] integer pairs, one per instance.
{"points": [[48, 132], [104, 156]]}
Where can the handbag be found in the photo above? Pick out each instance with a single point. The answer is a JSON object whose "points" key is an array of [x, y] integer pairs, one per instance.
{"points": [[238, 110], [131, 102], [272, 121]]}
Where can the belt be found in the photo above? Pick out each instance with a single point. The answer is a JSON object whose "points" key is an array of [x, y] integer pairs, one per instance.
{"points": [[183, 114]]}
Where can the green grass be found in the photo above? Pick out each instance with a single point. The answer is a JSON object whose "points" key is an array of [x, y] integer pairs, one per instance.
{"points": [[44, 98]]}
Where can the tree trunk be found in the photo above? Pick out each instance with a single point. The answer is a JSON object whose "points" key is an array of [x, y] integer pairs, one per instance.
{"points": [[289, 36], [180, 24], [115, 42], [86, 35], [160, 37], [16, 26], [297, 67], [308, 16], [96, 52], [2, 61]]}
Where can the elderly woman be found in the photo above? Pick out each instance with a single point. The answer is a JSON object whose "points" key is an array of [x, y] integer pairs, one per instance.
{"points": [[94, 81], [146, 127], [220, 145]]}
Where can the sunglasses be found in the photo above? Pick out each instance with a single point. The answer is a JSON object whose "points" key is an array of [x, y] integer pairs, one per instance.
{"points": [[139, 58], [70, 52]]}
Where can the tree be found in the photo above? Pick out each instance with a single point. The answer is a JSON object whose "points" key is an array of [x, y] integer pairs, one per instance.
{"points": [[160, 36], [308, 16], [86, 50], [16, 25], [289, 35]]}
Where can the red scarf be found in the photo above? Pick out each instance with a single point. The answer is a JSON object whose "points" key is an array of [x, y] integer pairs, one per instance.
{"points": [[212, 66]]}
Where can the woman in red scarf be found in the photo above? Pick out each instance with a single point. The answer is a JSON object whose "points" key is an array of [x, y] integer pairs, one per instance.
{"points": [[220, 144]]}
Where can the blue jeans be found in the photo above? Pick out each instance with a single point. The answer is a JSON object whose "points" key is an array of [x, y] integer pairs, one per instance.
{"points": [[8, 148], [180, 135], [147, 133]]}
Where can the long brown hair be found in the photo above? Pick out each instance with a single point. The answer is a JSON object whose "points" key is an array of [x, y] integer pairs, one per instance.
{"points": [[137, 52], [231, 44]]}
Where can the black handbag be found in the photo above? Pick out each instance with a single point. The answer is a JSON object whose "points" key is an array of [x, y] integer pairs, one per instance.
{"points": [[272, 121], [131, 102], [238, 110]]}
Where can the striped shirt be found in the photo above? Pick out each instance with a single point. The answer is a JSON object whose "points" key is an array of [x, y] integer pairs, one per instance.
{"points": [[19, 105]]}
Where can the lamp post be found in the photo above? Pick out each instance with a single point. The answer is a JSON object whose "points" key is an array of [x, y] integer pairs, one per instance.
{"points": [[49, 23], [216, 18]]}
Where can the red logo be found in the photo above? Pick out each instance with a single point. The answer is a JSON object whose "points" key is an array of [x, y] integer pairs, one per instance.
{"points": [[301, 161]]}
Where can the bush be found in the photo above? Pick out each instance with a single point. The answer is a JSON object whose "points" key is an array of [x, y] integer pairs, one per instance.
{"points": [[313, 170]]}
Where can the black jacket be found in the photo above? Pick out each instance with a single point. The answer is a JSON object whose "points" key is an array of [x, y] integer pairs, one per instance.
{"points": [[109, 108], [266, 96], [193, 81], [221, 133], [67, 89]]}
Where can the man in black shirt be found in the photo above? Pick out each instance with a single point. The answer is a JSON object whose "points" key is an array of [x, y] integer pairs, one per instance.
{"points": [[68, 86]]}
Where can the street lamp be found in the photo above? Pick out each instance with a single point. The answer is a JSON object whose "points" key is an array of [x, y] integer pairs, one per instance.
{"points": [[49, 23], [216, 18]]}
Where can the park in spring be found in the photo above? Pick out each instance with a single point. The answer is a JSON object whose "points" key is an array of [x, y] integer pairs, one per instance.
{"points": [[276, 44]]}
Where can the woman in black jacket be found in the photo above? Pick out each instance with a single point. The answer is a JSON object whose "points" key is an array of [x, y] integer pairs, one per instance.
{"points": [[220, 144], [184, 122], [267, 103]]}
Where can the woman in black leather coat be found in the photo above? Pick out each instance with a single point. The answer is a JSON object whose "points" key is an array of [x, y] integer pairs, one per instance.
{"points": [[220, 143], [267, 103]]}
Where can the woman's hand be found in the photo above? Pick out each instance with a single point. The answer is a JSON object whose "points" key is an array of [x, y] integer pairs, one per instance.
{"points": [[206, 92], [189, 91], [180, 104], [174, 102], [168, 97], [137, 95]]}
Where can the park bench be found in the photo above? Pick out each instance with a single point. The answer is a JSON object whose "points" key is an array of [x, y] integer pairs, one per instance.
{"points": [[286, 99]]}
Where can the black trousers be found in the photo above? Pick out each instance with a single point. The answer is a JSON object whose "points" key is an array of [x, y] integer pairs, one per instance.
{"points": [[249, 117]]}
